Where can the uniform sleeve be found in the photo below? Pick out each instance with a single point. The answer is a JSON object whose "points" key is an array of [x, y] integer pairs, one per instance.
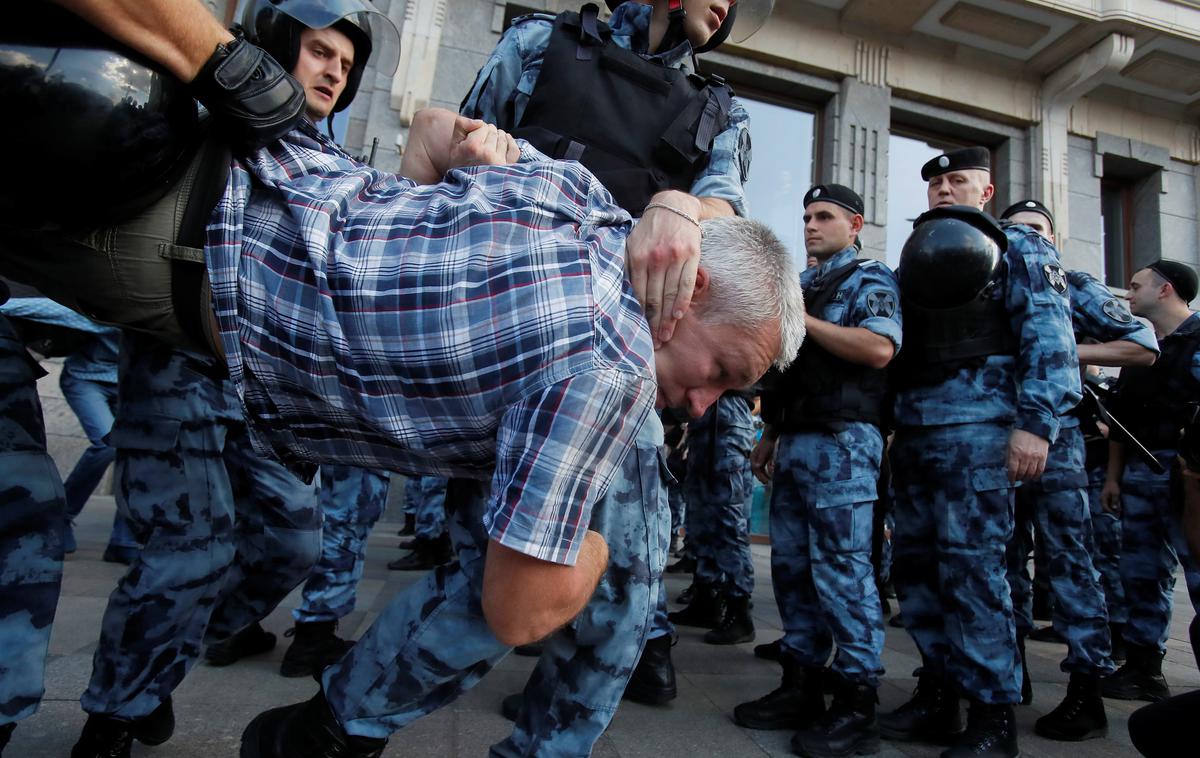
{"points": [[1098, 314], [557, 453], [1047, 371], [877, 303], [729, 163], [503, 86]]}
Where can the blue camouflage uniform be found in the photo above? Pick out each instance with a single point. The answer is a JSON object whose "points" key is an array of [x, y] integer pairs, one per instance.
{"points": [[425, 498], [953, 499], [717, 489], [32, 517], [579, 679], [352, 500], [823, 494], [226, 534], [1152, 540], [501, 92], [1106, 533], [1059, 503]]}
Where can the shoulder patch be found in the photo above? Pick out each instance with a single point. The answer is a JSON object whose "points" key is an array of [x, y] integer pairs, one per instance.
{"points": [[744, 154], [881, 304], [1056, 277], [1117, 312]]}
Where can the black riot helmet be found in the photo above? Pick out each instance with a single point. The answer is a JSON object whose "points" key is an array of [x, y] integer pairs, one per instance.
{"points": [[952, 255], [753, 13], [275, 26], [94, 131]]}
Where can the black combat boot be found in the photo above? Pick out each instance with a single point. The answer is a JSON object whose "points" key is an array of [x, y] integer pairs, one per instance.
{"points": [[410, 525], [305, 730], [157, 727], [931, 715], [104, 737], [253, 640], [688, 594], [653, 681], [847, 728], [314, 646], [705, 610], [6, 731], [1047, 634], [685, 565], [796, 703], [737, 626], [1118, 643], [1026, 682], [1140, 678], [1080, 716], [426, 554], [770, 651], [991, 733]]}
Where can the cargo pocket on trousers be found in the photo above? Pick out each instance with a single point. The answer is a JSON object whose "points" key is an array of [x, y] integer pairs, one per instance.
{"points": [[842, 514]]}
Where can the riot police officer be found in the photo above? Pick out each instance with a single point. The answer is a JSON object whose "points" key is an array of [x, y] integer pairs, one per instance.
{"points": [[987, 371], [673, 165], [1155, 403], [1106, 335], [823, 443], [32, 519]]}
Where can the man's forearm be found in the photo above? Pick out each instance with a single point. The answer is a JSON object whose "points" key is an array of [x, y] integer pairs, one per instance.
{"points": [[178, 34], [1116, 353], [525, 599]]}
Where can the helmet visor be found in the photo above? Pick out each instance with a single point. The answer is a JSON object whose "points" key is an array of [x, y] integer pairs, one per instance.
{"points": [[751, 15], [319, 14]]}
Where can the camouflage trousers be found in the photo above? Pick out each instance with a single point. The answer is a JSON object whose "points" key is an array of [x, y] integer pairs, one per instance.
{"points": [[226, 534], [425, 498], [32, 518], [718, 490], [432, 643], [954, 516], [1106, 548], [352, 500], [1152, 544], [1058, 504], [822, 514]]}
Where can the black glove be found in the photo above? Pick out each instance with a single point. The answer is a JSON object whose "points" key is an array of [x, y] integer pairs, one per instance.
{"points": [[252, 99]]}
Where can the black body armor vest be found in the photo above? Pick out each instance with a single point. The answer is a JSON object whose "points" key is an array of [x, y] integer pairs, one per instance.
{"points": [[819, 387], [1156, 402], [937, 342], [639, 126]]}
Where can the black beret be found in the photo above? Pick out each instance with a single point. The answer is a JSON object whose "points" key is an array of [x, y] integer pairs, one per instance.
{"points": [[958, 160], [1181, 276], [1029, 206], [837, 194]]}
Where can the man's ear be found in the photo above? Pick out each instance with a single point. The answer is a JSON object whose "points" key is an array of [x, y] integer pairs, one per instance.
{"points": [[856, 223], [700, 291], [988, 192]]}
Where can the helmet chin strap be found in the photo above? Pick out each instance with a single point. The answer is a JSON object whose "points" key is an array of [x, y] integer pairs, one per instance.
{"points": [[675, 33]]}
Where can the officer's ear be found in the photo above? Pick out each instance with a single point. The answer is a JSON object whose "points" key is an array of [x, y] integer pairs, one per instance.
{"points": [[988, 193], [856, 223]]}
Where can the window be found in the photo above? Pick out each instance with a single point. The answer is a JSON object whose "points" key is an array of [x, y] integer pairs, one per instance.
{"points": [[782, 169], [1116, 224], [907, 196]]}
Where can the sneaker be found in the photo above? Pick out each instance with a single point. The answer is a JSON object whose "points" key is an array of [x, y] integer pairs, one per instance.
{"points": [[253, 640]]}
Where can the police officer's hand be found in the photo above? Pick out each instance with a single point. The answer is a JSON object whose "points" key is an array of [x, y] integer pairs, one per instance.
{"points": [[1026, 456], [1110, 497], [762, 459], [661, 256], [477, 143]]}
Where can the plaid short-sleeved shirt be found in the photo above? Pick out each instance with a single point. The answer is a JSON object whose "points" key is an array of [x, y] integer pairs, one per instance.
{"points": [[481, 327]]}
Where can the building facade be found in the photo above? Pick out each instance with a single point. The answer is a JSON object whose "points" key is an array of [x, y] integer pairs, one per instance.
{"points": [[1090, 105]]}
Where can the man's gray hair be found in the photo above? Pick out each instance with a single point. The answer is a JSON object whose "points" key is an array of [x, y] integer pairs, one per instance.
{"points": [[753, 280]]}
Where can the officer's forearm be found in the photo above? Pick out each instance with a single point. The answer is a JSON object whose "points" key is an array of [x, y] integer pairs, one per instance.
{"points": [[1117, 353], [178, 34], [1116, 462], [851, 343], [525, 599]]}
